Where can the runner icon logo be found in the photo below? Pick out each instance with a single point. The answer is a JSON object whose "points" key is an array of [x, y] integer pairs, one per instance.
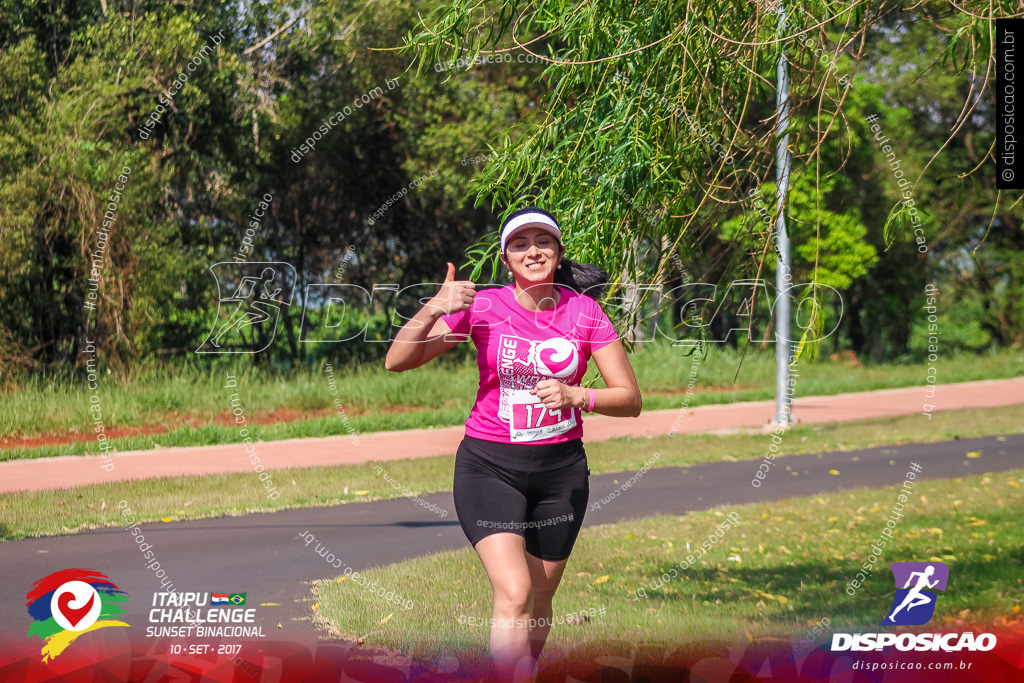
{"points": [[250, 296], [914, 604]]}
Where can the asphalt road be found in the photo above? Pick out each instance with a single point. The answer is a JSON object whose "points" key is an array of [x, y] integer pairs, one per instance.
{"points": [[264, 556]]}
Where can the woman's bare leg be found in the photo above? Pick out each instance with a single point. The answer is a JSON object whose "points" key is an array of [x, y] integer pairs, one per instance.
{"points": [[545, 576], [504, 558]]}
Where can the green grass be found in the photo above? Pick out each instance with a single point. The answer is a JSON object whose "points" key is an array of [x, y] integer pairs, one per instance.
{"points": [[68, 511], [792, 562], [376, 400]]}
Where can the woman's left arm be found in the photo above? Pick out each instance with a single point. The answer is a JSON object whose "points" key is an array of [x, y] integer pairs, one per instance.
{"points": [[622, 397]]}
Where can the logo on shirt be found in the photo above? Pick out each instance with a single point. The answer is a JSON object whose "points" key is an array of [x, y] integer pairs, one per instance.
{"points": [[524, 362], [556, 357]]}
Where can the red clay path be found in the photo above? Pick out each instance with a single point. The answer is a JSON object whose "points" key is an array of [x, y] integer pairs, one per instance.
{"points": [[65, 472]]}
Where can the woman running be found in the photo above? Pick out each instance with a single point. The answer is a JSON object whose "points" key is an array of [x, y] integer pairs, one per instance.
{"points": [[521, 476]]}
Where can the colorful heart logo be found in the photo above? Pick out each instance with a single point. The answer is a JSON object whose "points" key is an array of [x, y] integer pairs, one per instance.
{"points": [[83, 613], [69, 603], [72, 614]]}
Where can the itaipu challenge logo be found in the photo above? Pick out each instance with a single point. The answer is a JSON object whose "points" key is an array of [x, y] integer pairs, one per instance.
{"points": [[69, 603]]}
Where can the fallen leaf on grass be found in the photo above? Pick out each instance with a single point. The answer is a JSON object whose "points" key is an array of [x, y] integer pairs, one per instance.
{"points": [[602, 579]]}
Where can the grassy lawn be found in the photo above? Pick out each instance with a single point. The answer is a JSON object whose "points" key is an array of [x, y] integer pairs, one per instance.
{"points": [[71, 510], [195, 407], [780, 571]]}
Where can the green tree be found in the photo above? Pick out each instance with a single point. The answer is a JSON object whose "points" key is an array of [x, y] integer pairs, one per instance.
{"points": [[643, 98]]}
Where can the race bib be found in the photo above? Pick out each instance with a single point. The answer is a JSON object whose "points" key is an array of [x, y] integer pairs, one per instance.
{"points": [[532, 420]]}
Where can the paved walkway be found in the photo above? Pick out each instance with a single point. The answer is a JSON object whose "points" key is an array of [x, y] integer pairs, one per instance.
{"points": [[64, 472]]}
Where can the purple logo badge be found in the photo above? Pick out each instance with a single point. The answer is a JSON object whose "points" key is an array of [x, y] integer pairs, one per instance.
{"points": [[913, 604]]}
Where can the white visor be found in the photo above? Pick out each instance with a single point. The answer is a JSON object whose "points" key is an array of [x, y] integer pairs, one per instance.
{"points": [[530, 219]]}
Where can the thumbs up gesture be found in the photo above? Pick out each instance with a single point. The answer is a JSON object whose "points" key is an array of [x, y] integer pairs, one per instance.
{"points": [[454, 295]]}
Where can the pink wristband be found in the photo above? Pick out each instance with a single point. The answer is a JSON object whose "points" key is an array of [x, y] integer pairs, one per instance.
{"points": [[590, 408]]}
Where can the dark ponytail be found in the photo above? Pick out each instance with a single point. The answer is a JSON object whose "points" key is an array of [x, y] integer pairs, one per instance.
{"points": [[582, 277]]}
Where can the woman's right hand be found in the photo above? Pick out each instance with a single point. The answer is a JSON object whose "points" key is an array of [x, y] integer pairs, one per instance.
{"points": [[454, 295]]}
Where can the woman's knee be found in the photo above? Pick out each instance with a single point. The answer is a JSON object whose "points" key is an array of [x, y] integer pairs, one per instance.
{"points": [[515, 595]]}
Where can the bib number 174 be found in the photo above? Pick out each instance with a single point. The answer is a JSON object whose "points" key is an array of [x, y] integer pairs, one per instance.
{"points": [[532, 420]]}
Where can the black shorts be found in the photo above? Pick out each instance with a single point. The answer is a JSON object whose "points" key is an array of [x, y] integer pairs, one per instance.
{"points": [[538, 491]]}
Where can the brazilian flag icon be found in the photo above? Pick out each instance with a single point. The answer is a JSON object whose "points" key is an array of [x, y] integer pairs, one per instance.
{"points": [[237, 598]]}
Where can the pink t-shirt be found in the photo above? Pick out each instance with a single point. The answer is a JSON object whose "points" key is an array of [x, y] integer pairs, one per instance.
{"points": [[516, 348]]}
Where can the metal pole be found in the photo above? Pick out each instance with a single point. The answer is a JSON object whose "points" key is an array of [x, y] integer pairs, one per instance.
{"points": [[783, 279]]}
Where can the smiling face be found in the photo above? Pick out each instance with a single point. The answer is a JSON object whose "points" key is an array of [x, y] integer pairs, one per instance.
{"points": [[532, 254]]}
